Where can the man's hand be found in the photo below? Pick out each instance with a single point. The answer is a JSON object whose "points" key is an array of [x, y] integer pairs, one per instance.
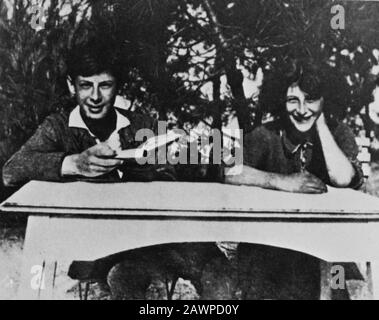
{"points": [[304, 182], [91, 163]]}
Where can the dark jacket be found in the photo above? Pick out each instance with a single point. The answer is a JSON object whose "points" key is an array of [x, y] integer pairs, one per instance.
{"points": [[41, 157], [269, 148]]}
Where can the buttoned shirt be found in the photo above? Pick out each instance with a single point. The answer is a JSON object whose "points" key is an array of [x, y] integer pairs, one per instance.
{"points": [[272, 149]]}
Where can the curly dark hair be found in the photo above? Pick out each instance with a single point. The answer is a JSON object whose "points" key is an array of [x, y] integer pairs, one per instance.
{"points": [[366, 94], [316, 79], [94, 57]]}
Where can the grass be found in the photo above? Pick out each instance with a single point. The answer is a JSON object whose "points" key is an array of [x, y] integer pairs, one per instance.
{"points": [[11, 243]]}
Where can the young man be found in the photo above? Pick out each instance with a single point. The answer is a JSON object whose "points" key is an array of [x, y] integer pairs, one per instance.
{"points": [[301, 151], [78, 144], [73, 144]]}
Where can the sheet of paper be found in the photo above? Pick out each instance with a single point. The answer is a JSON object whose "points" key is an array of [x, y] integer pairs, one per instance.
{"points": [[149, 145]]}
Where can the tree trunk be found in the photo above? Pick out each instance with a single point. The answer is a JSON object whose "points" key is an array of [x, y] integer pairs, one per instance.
{"points": [[234, 76]]}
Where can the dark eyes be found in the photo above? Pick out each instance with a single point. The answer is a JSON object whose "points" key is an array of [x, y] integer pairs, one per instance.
{"points": [[106, 85], [296, 100], [293, 100], [87, 86]]}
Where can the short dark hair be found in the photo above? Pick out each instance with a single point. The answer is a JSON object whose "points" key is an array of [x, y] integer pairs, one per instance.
{"points": [[316, 79], [93, 57], [308, 78]]}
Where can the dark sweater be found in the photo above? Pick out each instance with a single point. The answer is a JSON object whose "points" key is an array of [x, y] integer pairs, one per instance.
{"points": [[272, 148], [41, 157]]}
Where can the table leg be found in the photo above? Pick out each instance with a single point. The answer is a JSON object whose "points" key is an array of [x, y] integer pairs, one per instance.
{"points": [[67, 239], [36, 267], [325, 281], [373, 275]]}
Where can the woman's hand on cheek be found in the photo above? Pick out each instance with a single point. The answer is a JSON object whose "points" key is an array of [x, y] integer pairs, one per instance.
{"points": [[321, 121]]}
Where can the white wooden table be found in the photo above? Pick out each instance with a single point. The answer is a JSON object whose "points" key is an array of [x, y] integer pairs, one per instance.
{"points": [[83, 221]]}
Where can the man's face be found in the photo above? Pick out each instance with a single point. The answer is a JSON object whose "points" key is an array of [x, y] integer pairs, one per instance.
{"points": [[302, 111], [96, 94]]}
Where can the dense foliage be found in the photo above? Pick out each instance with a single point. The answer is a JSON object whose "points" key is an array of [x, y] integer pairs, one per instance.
{"points": [[186, 60]]}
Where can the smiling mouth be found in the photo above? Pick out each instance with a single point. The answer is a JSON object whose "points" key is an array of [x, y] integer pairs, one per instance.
{"points": [[95, 109], [301, 119]]}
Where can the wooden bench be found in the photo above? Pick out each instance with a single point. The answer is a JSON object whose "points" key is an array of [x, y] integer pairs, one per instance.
{"points": [[86, 222]]}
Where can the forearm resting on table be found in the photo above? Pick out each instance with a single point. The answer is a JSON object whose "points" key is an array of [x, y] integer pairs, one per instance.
{"points": [[254, 177], [341, 171], [25, 166]]}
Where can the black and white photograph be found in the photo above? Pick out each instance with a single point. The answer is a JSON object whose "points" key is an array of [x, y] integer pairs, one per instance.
{"points": [[208, 151]]}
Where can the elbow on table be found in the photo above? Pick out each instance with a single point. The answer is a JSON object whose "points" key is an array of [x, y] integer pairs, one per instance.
{"points": [[342, 182]]}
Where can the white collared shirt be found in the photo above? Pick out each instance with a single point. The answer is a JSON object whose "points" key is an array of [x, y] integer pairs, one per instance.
{"points": [[76, 121]]}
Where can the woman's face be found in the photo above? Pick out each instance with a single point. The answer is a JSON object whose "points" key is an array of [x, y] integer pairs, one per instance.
{"points": [[302, 111]]}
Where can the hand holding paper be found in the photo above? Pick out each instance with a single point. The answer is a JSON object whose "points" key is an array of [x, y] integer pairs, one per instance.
{"points": [[148, 146]]}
